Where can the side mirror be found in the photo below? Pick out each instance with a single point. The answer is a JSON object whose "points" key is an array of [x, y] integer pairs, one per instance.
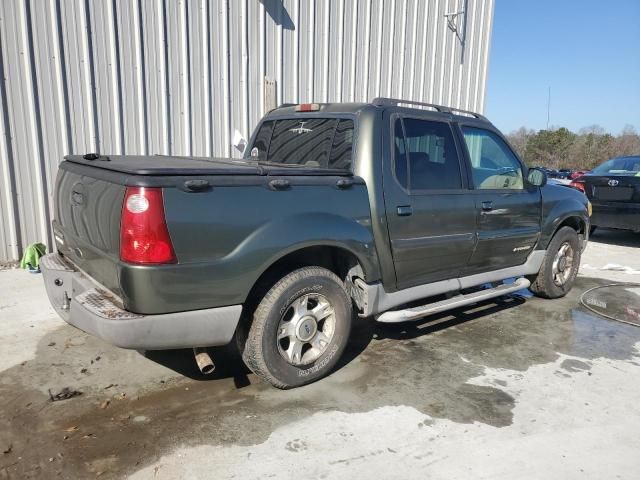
{"points": [[537, 177]]}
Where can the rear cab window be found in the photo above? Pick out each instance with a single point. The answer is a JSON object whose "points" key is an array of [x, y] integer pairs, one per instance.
{"points": [[307, 142]]}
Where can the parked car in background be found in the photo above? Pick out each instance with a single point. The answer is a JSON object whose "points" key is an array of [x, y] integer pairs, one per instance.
{"points": [[563, 173], [551, 173], [557, 181], [577, 174], [334, 208], [614, 191]]}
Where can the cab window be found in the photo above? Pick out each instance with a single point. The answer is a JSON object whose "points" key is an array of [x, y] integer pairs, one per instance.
{"points": [[425, 156], [312, 142]]}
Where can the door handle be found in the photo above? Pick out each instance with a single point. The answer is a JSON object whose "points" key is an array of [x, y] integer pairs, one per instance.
{"points": [[404, 210], [344, 183], [487, 206], [279, 184]]}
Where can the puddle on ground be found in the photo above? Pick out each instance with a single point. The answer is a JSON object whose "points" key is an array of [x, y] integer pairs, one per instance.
{"points": [[425, 365]]}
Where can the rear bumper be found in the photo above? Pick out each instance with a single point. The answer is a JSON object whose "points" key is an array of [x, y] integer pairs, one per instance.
{"points": [[85, 305], [625, 217]]}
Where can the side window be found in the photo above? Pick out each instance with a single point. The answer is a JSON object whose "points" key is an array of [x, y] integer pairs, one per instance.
{"points": [[432, 157], [494, 165], [400, 155]]}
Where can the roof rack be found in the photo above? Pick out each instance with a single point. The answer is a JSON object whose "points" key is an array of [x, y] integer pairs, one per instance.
{"points": [[383, 101]]}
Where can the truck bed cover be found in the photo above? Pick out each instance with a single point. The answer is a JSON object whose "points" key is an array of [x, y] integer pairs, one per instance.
{"points": [[165, 165]]}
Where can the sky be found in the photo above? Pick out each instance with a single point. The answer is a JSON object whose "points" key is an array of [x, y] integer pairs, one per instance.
{"points": [[587, 51]]}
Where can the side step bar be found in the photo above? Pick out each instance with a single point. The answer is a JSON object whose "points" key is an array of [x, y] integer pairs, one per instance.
{"points": [[397, 316]]}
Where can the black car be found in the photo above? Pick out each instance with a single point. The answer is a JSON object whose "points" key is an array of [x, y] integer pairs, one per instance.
{"points": [[614, 191], [563, 173]]}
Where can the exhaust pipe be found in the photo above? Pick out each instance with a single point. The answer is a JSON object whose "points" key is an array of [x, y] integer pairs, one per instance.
{"points": [[205, 364]]}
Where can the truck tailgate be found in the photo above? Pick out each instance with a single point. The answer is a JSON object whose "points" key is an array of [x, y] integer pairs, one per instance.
{"points": [[87, 224]]}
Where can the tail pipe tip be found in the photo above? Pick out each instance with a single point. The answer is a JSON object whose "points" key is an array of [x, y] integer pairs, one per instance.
{"points": [[205, 364]]}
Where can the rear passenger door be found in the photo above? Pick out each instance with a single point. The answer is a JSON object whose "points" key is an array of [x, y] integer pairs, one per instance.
{"points": [[507, 208], [430, 213]]}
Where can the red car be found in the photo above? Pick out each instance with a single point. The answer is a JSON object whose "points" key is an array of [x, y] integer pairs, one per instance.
{"points": [[577, 174]]}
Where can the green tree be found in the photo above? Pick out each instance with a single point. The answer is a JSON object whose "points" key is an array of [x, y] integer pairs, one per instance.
{"points": [[561, 148], [550, 148]]}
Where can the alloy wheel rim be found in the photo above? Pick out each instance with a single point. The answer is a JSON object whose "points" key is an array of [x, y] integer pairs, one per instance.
{"points": [[562, 266], [306, 329]]}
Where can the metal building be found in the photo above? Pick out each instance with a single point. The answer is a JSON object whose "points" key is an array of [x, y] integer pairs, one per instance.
{"points": [[179, 76]]}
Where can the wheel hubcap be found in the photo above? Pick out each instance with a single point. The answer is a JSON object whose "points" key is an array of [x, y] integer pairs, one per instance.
{"points": [[562, 264], [306, 329]]}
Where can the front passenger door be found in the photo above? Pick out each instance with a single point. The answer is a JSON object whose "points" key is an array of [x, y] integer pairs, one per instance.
{"points": [[507, 209]]}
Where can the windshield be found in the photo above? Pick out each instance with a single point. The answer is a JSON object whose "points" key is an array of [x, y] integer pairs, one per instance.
{"points": [[305, 142], [619, 166]]}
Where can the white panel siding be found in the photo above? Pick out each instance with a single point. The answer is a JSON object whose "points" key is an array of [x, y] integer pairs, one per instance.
{"points": [[179, 76]]}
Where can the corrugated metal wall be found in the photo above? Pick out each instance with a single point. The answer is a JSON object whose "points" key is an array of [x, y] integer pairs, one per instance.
{"points": [[178, 77]]}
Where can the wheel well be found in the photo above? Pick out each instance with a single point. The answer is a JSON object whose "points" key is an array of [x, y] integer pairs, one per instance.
{"points": [[574, 222], [335, 259], [338, 260]]}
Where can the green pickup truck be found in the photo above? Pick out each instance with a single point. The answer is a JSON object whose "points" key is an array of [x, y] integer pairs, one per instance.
{"points": [[335, 210]]}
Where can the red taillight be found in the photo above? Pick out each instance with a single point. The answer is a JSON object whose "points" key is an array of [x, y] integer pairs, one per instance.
{"points": [[307, 107], [144, 237], [578, 185]]}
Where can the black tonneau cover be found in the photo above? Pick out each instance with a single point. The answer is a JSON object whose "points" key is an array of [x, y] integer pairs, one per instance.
{"points": [[163, 165]]}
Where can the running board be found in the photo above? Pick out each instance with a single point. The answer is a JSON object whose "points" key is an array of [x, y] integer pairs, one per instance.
{"points": [[413, 313]]}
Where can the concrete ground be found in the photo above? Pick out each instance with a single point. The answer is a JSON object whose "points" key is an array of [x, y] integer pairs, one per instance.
{"points": [[518, 388]]}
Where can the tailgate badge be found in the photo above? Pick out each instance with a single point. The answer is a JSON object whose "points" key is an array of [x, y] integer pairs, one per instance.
{"points": [[613, 183]]}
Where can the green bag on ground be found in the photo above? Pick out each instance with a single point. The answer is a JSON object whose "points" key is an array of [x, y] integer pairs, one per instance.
{"points": [[31, 258]]}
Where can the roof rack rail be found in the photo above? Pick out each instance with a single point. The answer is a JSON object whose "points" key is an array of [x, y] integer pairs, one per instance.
{"points": [[383, 101]]}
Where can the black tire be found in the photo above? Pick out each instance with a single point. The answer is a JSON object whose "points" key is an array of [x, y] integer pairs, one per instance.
{"points": [[544, 284], [592, 229], [264, 353]]}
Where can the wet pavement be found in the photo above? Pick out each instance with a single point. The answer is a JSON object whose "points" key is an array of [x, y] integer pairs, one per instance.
{"points": [[518, 387]]}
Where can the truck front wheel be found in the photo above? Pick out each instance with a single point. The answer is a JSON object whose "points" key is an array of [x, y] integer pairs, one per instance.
{"points": [[299, 329], [559, 267]]}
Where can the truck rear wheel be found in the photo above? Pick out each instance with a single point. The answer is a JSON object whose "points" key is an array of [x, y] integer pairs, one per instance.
{"points": [[560, 265], [299, 329]]}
